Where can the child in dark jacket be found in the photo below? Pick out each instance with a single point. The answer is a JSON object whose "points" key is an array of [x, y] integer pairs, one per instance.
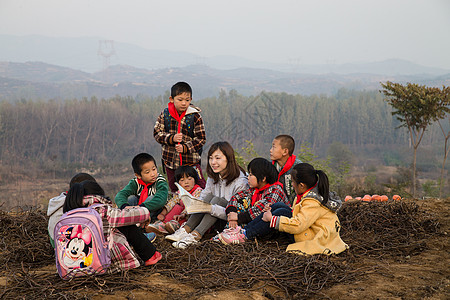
{"points": [[283, 158], [148, 188]]}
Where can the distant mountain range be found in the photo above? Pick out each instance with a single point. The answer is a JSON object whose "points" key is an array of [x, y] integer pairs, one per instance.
{"points": [[85, 53], [37, 67]]}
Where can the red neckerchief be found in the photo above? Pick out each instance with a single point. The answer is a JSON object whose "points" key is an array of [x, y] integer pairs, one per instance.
{"points": [[144, 193], [256, 194], [299, 197], [194, 189], [289, 163], [174, 113]]}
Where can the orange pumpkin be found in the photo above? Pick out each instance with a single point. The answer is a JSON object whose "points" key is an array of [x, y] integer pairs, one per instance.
{"points": [[384, 198], [357, 198], [366, 198], [396, 197], [348, 198], [376, 197]]}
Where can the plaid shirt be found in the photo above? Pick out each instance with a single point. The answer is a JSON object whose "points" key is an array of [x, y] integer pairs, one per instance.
{"points": [[248, 211], [122, 255], [162, 135]]}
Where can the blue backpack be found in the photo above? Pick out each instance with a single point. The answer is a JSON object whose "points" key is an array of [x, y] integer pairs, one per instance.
{"points": [[80, 245]]}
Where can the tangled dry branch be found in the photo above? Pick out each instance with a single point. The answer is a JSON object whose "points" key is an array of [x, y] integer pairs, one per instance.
{"points": [[374, 229]]}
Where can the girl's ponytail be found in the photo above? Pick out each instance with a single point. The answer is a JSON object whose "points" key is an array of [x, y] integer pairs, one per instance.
{"points": [[323, 186], [309, 176]]}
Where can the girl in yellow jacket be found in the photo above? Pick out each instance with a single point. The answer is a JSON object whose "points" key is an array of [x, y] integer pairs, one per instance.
{"points": [[314, 223]]}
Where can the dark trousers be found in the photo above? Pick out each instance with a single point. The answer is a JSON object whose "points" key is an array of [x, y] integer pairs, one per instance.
{"points": [[136, 238], [259, 228], [171, 177]]}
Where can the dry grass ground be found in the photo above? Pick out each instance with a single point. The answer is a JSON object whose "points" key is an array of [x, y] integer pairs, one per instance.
{"points": [[398, 251]]}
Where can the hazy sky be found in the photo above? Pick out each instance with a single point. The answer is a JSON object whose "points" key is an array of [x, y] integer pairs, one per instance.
{"points": [[307, 32]]}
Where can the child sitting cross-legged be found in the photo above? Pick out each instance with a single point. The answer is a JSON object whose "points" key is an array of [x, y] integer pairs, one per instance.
{"points": [[174, 213], [128, 242], [248, 204], [314, 224], [148, 189]]}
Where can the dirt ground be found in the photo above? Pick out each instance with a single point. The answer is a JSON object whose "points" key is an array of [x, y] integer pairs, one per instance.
{"points": [[422, 276], [425, 275]]}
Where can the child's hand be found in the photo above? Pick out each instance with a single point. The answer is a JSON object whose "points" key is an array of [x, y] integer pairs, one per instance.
{"points": [[267, 207], [232, 219], [145, 224], [179, 148], [232, 216], [160, 217], [179, 217], [267, 216], [232, 224], [178, 138]]}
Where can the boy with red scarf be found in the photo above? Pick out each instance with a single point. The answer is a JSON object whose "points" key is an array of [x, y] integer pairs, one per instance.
{"points": [[148, 188], [284, 160], [181, 132]]}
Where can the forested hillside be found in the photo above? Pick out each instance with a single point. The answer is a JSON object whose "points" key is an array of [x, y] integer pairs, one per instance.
{"points": [[54, 139], [112, 130]]}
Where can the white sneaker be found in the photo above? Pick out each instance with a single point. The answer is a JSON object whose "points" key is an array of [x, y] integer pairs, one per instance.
{"points": [[186, 241], [177, 235]]}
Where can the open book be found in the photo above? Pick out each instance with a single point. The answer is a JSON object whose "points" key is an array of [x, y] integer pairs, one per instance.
{"points": [[193, 205]]}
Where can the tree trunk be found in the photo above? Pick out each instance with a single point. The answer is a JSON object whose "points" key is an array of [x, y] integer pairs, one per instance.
{"points": [[441, 180], [414, 171], [446, 151]]}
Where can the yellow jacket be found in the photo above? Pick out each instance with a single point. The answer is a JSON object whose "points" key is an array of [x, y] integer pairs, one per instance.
{"points": [[314, 226]]}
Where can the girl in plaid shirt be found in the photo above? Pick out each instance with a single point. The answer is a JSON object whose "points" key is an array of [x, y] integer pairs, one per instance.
{"points": [[118, 225], [248, 204]]}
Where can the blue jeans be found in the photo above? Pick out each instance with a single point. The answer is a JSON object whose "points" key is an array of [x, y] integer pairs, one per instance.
{"points": [[259, 228]]}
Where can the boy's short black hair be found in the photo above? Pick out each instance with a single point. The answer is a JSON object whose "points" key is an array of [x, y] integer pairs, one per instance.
{"points": [[139, 160], [188, 171], [180, 88], [286, 142], [260, 168]]}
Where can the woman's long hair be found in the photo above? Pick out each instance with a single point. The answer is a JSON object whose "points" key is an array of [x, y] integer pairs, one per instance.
{"points": [[232, 171], [306, 174], [74, 197]]}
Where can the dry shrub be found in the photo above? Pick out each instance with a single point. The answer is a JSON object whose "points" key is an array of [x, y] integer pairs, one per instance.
{"points": [[386, 228]]}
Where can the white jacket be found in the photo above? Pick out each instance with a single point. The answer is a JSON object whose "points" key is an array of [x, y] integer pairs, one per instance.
{"points": [[220, 189], [55, 211]]}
